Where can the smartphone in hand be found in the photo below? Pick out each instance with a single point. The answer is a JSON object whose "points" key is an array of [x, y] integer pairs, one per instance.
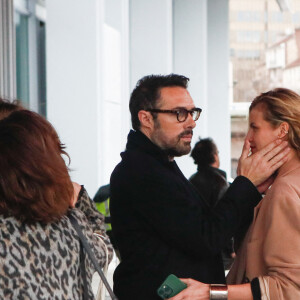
{"points": [[171, 287]]}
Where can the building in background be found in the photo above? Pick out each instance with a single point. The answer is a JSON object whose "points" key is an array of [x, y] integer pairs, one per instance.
{"points": [[264, 54]]}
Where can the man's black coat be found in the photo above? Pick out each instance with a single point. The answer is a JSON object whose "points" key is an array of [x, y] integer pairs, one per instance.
{"points": [[162, 227]]}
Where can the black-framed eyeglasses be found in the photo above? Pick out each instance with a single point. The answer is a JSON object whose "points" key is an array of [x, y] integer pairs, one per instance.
{"points": [[181, 113]]}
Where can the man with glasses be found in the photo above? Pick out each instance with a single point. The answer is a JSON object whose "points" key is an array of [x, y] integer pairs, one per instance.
{"points": [[161, 224]]}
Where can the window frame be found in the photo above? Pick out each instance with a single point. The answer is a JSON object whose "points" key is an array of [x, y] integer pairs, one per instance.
{"points": [[35, 11]]}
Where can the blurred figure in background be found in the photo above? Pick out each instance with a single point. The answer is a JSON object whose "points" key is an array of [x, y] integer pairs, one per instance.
{"points": [[211, 182], [102, 199]]}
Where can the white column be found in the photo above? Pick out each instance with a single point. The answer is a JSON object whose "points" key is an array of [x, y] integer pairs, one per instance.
{"points": [[218, 78], [190, 59], [87, 81], [115, 74], [74, 95], [150, 38]]}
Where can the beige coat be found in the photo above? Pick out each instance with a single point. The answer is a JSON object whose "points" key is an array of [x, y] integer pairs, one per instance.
{"points": [[271, 248]]}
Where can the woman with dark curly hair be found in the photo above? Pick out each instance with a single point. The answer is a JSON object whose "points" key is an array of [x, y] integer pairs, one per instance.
{"points": [[39, 249]]}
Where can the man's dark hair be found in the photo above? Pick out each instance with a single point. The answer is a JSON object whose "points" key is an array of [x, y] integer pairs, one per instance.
{"points": [[147, 92], [204, 151]]}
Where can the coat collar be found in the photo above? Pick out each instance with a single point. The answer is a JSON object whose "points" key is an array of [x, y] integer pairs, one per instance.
{"points": [[136, 140], [291, 165]]}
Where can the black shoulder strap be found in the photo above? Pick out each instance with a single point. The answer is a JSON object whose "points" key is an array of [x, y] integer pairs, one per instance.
{"points": [[83, 273], [91, 255]]}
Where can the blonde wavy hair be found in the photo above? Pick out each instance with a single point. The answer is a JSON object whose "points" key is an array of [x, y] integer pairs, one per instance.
{"points": [[282, 105]]}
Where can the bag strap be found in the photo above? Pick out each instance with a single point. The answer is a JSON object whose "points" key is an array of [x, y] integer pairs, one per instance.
{"points": [[83, 272], [91, 255], [101, 289]]}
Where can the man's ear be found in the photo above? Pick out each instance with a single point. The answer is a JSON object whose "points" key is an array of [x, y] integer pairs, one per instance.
{"points": [[283, 129], [146, 119]]}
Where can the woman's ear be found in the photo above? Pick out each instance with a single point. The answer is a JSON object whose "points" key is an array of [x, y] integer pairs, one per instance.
{"points": [[146, 119], [283, 129]]}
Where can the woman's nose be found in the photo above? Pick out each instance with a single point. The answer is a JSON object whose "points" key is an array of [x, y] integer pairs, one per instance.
{"points": [[249, 135]]}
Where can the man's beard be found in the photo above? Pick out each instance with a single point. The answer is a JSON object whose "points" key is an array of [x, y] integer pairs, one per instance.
{"points": [[178, 151], [180, 148]]}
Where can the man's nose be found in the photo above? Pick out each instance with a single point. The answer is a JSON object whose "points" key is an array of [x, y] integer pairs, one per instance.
{"points": [[190, 121]]}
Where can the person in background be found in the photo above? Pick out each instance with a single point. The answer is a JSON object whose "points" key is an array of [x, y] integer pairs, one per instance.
{"points": [[209, 180], [102, 200], [160, 223], [211, 183], [39, 248], [267, 265]]}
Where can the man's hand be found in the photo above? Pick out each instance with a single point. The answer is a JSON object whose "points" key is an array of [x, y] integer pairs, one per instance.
{"points": [[260, 166], [262, 188]]}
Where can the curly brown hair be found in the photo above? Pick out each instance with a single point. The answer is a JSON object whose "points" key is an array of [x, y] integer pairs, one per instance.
{"points": [[34, 181]]}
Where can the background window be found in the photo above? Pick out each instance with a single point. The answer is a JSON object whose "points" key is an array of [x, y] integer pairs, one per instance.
{"points": [[30, 31], [22, 61]]}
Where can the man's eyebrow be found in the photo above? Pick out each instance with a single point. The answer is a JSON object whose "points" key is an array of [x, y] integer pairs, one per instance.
{"points": [[182, 107]]}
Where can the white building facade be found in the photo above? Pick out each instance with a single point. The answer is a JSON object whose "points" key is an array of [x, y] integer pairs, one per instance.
{"points": [[96, 51]]}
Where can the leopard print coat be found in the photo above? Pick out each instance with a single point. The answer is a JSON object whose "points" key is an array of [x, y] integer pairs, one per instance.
{"points": [[42, 261]]}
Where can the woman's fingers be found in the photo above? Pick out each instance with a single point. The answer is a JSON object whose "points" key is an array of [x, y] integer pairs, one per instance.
{"points": [[273, 150], [77, 188], [246, 149], [261, 165]]}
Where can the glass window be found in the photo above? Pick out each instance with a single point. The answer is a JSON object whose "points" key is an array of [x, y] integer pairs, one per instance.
{"points": [[41, 63], [249, 16], [248, 36], [277, 16], [252, 54], [22, 60], [30, 26], [296, 18]]}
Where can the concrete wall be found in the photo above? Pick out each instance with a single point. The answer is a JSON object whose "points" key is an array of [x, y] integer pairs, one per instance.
{"points": [[218, 114], [190, 59], [98, 49], [87, 78]]}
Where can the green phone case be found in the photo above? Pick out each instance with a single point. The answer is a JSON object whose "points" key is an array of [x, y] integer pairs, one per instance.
{"points": [[171, 287]]}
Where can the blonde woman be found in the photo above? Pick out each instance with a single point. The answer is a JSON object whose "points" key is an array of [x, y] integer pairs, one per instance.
{"points": [[268, 262]]}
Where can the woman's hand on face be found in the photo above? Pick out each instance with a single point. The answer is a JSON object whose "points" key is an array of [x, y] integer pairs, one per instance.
{"points": [[77, 188], [260, 166], [195, 291]]}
